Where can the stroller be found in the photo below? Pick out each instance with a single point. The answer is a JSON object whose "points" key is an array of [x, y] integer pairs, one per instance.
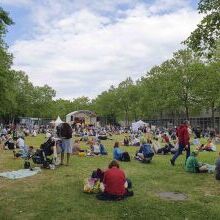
{"points": [[41, 155]]}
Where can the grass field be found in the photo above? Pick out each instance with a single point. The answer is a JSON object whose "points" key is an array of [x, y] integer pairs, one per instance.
{"points": [[57, 194]]}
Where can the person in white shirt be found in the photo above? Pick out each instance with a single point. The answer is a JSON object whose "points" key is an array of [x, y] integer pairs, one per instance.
{"points": [[20, 143]]}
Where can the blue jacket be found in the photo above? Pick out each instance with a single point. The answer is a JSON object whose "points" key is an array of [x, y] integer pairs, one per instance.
{"points": [[102, 149], [146, 150], [117, 153]]}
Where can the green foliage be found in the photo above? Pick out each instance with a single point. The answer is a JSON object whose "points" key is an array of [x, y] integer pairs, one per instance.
{"points": [[203, 39], [5, 20], [180, 87]]}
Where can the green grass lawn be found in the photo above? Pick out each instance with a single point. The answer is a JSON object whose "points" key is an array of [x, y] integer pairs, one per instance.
{"points": [[57, 194]]}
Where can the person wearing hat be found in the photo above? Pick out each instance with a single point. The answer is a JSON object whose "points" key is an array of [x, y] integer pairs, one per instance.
{"points": [[193, 166]]}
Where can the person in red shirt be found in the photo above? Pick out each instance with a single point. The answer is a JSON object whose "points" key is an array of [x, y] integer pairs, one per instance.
{"points": [[166, 139], [114, 183], [184, 138]]}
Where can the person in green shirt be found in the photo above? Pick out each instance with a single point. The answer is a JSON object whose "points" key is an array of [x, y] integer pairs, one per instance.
{"points": [[193, 166]]}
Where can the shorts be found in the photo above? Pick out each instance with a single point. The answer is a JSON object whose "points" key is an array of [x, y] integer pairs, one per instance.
{"points": [[66, 146]]}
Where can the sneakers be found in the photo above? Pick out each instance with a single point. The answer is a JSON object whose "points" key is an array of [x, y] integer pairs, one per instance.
{"points": [[172, 162]]}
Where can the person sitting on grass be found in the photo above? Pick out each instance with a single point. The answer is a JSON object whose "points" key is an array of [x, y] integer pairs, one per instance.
{"points": [[136, 141], [208, 147], [217, 168], [115, 185], [117, 153], [193, 166], [96, 149], [145, 153], [102, 148], [9, 144], [126, 141], [76, 148]]}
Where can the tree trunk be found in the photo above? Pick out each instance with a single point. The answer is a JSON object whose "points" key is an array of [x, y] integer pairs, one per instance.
{"points": [[213, 114], [187, 112], [126, 118]]}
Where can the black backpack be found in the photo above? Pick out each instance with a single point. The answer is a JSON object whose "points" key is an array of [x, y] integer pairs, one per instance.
{"points": [[64, 130], [27, 165], [125, 157]]}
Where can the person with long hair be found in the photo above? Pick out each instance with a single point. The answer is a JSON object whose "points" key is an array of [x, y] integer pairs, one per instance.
{"points": [[117, 153]]}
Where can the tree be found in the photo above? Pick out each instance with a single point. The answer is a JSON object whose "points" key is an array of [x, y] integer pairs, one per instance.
{"points": [[6, 76], [203, 39], [42, 102], [124, 98], [185, 76], [105, 105]]}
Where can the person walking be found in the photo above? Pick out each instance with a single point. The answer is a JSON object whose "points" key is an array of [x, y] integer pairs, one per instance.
{"points": [[183, 137]]}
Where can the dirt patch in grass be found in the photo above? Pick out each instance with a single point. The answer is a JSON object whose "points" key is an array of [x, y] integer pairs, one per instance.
{"points": [[172, 196]]}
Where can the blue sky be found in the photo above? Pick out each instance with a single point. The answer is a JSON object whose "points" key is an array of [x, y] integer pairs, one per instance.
{"points": [[81, 47]]}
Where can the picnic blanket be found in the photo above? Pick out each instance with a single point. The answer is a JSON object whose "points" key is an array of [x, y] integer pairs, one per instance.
{"points": [[20, 173]]}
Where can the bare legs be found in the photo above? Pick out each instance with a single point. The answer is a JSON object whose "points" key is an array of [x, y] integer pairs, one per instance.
{"points": [[67, 158]]}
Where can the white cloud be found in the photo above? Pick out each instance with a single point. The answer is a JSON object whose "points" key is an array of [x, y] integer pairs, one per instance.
{"points": [[82, 52], [16, 2]]}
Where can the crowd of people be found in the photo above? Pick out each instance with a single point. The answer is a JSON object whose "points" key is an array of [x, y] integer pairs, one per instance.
{"points": [[148, 142]]}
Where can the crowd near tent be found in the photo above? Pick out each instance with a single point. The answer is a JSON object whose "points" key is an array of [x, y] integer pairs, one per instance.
{"points": [[82, 117], [136, 125], [58, 121]]}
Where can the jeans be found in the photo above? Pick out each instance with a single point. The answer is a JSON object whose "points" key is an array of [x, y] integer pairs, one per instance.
{"points": [[180, 150]]}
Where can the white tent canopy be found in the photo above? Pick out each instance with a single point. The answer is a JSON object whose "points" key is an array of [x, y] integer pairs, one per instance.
{"points": [[138, 124], [58, 121]]}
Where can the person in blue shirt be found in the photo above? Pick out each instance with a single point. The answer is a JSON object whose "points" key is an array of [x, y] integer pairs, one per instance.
{"points": [[102, 148], [145, 153], [117, 153]]}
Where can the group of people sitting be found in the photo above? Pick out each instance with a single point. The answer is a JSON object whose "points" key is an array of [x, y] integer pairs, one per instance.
{"points": [[110, 184], [95, 148], [144, 154]]}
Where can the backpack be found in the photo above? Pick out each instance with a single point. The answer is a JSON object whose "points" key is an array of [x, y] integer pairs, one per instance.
{"points": [[125, 157], [64, 131], [27, 165]]}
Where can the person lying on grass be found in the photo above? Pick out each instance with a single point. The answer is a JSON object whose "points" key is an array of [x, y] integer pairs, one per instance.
{"points": [[158, 149], [115, 185], [193, 166], [24, 152]]}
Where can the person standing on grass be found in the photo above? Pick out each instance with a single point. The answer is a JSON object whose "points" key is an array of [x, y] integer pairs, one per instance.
{"points": [[65, 133], [183, 137]]}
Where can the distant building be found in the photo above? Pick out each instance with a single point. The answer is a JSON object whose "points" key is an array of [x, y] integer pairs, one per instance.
{"points": [[85, 117], [30, 122]]}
